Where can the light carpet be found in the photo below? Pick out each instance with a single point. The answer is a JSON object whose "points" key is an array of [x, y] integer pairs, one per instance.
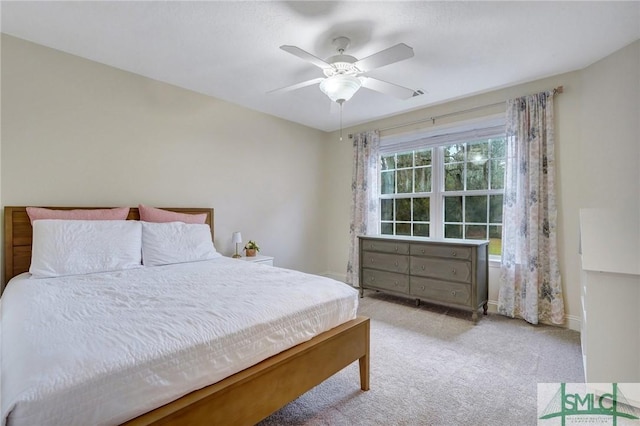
{"points": [[431, 365]]}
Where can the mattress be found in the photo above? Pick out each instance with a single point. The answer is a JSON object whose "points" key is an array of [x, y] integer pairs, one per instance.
{"points": [[104, 348]]}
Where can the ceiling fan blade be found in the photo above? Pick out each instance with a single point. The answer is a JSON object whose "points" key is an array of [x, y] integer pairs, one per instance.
{"points": [[396, 53], [297, 86], [303, 54], [388, 88]]}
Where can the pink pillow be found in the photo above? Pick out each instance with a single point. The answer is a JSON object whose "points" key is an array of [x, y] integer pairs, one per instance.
{"points": [[119, 213], [152, 214]]}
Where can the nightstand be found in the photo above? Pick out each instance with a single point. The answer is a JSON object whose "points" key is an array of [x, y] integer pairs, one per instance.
{"points": [[265, 260]]}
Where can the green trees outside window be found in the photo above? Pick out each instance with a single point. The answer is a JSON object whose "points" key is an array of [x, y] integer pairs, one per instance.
{"points": [[460, 186], [407, 178]]}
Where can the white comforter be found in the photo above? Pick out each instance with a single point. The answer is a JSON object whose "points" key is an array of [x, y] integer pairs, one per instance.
{"points": [[104, 348]]}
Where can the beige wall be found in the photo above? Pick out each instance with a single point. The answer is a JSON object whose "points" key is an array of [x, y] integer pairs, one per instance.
{"points": [[75, 132], [610, 117], [597, 155]]}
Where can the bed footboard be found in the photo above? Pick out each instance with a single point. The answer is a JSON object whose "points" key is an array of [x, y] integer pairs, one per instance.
{"points": [[253, 394]]}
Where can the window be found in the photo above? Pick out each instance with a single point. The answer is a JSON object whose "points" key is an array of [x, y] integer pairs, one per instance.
{"points": [[406, 191], [448, 186]]}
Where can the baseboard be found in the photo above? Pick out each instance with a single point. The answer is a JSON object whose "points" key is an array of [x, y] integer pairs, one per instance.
{"points": [[492, 306], [573, 322]]}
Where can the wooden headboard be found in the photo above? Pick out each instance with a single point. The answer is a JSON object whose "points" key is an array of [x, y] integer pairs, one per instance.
{"points": [[18, 235]]}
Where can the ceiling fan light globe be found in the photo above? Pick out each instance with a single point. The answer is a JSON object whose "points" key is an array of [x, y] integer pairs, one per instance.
{"points": [[340, 87]]}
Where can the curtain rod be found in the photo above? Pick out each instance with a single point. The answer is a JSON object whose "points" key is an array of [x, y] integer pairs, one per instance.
{"points": [[433, 119]]}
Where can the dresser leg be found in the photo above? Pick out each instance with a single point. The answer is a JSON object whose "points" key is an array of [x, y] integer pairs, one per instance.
{"points": [[474, 316], [361, 292], [417, 302], [484, 308]]}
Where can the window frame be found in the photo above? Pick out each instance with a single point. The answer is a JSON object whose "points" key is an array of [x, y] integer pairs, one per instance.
{"points": [[436, 139], [405, 195]]}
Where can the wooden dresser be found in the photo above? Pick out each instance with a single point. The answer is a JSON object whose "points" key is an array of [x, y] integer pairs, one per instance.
{"points": [[446, 272]]}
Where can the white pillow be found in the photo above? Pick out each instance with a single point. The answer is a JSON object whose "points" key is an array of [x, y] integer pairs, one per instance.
{"points": [[74, 247], [176, 242]]}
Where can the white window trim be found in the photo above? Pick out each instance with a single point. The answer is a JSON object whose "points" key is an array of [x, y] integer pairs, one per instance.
{"points": [[440, 135], [436, 137]]}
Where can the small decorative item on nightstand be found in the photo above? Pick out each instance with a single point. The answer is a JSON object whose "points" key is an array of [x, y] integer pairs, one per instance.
{"points": [[236, 239], [251, 248]]}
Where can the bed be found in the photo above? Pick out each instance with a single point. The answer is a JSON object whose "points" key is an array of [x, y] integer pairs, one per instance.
{"points": [[243, 397]]}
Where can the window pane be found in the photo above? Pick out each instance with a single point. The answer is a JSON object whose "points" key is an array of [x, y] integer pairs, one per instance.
{"points": [[403, 229], [453, 231], [421, 209], [405, 160], [476, 232], [453, 153], [472, 176], [388, 162], [421, 229], [478, 152], [498, 148], [453, 174], [476, 209], [477, 175], [386, 209], [423, 179], [388, 182], [495, 208], [497, 174], [423, 158], [386, 228], [495, 231], [403, 209], [405, 181], [453, 209], [495, 239]]}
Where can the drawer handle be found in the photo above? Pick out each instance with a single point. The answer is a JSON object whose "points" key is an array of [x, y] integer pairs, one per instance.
{"points": [[395, 283], [453, 271], [423, 267], [454, 253], [372, 279], [422, 250], [453, 293], [422, 288], [395, 263], [371, 259], [396, 248], [371, 246]]}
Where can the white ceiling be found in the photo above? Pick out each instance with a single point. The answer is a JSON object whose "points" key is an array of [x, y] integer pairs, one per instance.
{"points": [[230, 50]]}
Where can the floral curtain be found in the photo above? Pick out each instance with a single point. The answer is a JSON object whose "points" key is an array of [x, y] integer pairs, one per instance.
{"points": [[531, 287], [364, 189]]}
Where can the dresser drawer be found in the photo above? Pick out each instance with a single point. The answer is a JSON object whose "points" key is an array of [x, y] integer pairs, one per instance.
{"points": [[441, 291], [385, 262], [385, 246], [448, 251], [454, 270], [385, 280]]}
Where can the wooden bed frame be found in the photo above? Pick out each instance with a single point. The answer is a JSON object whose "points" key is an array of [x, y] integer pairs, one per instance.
{"points": [[246, 397]]}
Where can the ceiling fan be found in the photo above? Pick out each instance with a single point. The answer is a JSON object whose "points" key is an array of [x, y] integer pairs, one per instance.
{"points": [[344, 74]]}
